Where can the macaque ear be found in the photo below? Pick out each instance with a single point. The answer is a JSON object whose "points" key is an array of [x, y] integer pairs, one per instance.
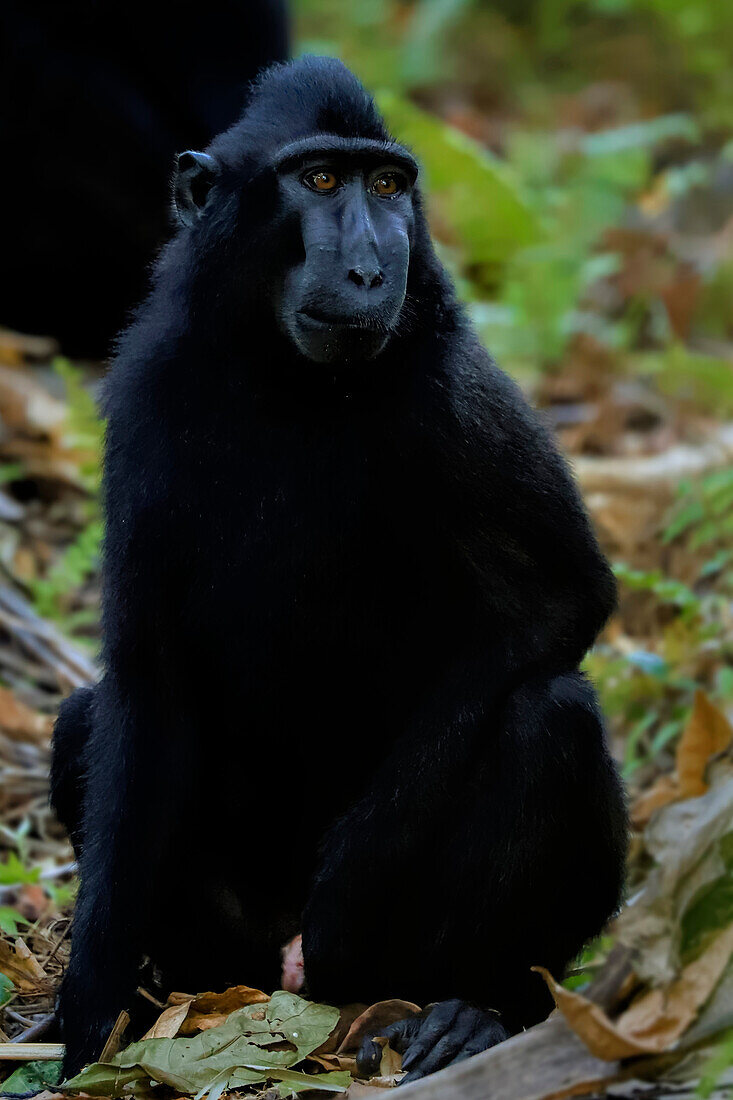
{"points": [[195, 176]]}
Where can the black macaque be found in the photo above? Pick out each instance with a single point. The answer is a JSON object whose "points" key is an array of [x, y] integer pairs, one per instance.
{"points": [[97, 98], [348, 583]]}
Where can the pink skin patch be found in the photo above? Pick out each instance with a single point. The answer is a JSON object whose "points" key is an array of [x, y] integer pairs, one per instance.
{"points": [[292, 975]]}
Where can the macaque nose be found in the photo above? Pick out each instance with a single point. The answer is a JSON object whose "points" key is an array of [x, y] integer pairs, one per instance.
{"points": [[369, 277]]}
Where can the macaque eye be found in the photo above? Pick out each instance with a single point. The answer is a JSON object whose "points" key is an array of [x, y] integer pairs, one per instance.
{"points": [[321, 180], [389, 183]]}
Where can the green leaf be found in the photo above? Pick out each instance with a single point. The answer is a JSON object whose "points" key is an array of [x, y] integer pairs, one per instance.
{"points": [[710, 909], [431, 19], [640, 135], [33, 1077], [13, 872], [62, 894], [666, 589], [9, 920], [256, 1044], [7, 990], [704, 380], [106, 1079], [292, 1081], [716, 1066], [474, 191]]}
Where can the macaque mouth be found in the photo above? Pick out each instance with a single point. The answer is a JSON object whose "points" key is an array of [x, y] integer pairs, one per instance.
{"points": [[318, 318]]}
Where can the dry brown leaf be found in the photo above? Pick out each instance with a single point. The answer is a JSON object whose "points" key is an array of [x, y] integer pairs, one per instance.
{"points": [[707, 733], [590, 1023], [685, 841], [17, 347], [237, 996], [390, 1068], [22, 967], [335, 1061], [20, 723], [656, 1019], [665, 790], [25, 405], [49, 461], [177, 999], [379, 1082], [325, 1061], [169, 1022], [211, 1009], [349, 1013], [186, 1014], [64, 1096], [374, 1018], [390, 1064], [660, 1016], [626, 520]]}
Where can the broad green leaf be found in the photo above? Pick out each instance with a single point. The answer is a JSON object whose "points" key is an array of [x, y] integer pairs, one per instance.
{"points": [[473, 191], [245, 1050], [32, 1077]]}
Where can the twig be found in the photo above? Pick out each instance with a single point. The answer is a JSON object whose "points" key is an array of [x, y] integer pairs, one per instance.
{"points": [[115, 1037], [45, 643], [52, 954], [35, 1031], [31, 1052], [22, 1020], [149, 997]]}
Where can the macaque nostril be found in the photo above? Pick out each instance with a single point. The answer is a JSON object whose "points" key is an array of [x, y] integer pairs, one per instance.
{"points": [[370, 279]]}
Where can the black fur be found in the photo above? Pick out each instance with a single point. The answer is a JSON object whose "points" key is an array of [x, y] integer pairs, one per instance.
{"points": [[344, 607]]}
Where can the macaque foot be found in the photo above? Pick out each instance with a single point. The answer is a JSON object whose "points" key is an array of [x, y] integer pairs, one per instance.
{"points": [[440, 1035]]}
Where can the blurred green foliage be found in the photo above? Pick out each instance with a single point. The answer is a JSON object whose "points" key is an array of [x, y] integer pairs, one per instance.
{"points": [[84, 434], [473, 191], [651, 692], [716, 1066]]}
